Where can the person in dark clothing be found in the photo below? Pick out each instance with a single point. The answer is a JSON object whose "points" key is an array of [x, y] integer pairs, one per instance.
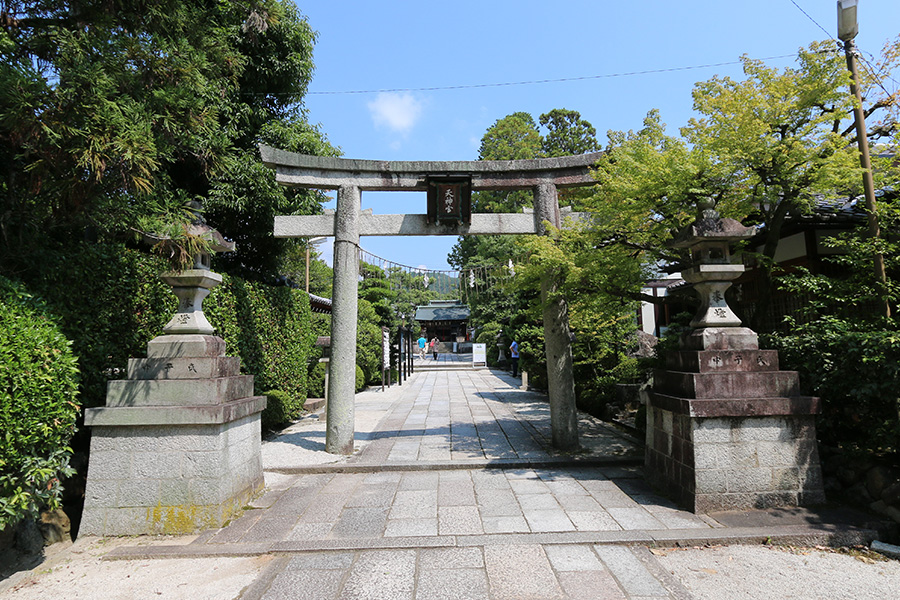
{"points": [[514, 357]]}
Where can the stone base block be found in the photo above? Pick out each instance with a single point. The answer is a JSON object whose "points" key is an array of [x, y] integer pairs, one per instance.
{"points": [[733, 462], [721, 338], [170, 479], [186, 346]]}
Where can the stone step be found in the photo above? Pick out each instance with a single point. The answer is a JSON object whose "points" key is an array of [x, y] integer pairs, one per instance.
{"points": [[178, 392], [448, 366], [184, 368], [314, 404], [733, 384], [736, 407], [713, 361]]}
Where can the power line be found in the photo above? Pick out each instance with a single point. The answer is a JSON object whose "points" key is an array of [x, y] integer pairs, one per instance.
{"points": [[866, 65], [540, 81], [808, 16]]}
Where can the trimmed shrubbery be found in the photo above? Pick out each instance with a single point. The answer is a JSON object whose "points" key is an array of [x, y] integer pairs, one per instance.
{"points": [[368, 343], [39, 377], [110, 302], [857, 375], [280, 408], [315, 385], [269, 328], [360, 379]]}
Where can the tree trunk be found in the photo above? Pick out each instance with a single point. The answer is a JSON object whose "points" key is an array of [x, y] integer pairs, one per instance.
{"points": [[766, 285]]}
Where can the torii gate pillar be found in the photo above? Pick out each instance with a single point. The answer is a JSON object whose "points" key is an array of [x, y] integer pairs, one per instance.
{"points": [[341, 383], [557, 337]]}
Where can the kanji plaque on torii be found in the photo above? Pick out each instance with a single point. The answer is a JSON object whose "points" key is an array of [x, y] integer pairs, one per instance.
{"points": [[448, 185], [449, 200]]}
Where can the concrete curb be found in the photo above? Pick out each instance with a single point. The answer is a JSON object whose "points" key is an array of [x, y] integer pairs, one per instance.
{"points": [[824, 535], [500, 463]]}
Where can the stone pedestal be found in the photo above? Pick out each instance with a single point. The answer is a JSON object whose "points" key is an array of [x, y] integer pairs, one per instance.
{"points": [[727, 430], [176, 449]]}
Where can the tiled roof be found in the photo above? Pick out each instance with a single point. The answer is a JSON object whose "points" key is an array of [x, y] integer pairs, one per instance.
{"points": [[442, 310], [319, 305]]}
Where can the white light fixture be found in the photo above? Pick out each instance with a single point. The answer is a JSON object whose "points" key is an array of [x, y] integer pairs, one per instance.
{"points": [[847, 24]]}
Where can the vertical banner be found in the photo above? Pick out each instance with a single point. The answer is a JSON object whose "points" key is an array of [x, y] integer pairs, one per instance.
{"points": [[385, 353]]}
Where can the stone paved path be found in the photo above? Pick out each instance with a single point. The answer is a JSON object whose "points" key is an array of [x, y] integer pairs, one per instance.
{"points": [[455, 493]]}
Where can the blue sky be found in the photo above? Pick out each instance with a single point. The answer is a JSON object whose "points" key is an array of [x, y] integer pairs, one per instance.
{"points": [[406, 45]]}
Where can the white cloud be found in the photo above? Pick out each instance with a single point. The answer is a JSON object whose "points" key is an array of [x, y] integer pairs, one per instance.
{"points": [[397, 112]]}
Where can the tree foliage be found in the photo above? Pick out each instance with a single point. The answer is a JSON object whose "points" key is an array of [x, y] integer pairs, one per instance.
{"points": [[115, 115], [776, 130]]}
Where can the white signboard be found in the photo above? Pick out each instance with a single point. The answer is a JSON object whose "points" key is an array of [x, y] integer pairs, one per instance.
{"points": [[479, 355], [385, 348]]}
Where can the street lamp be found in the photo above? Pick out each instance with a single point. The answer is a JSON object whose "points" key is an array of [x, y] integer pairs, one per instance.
{"points": [[848, 28], [847, 25]]}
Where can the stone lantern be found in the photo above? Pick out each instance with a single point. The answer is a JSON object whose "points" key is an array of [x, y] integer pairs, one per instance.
{"points": [[709, 239], [176, 449], [726, 429], [193, 285]]}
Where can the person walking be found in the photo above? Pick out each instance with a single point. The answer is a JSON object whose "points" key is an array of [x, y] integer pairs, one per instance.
{"points": [[434, 347], [422, 341], [514, 357]]}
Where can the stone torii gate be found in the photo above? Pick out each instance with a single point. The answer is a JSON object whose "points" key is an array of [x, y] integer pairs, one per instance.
{"points": [[350, 177]]}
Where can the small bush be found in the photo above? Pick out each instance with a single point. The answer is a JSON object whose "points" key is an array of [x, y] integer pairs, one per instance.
{"points": [[857, 375], [268, 327], [360, 379], [315, 384], [39, 377], [368, 342], [280, 409]]}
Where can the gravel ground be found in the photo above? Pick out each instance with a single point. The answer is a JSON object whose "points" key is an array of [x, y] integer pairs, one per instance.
{"points": [[770, 572], [78, 572]]}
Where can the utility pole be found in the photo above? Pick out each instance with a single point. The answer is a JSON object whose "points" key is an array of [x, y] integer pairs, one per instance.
{"points": [[847, 30]]}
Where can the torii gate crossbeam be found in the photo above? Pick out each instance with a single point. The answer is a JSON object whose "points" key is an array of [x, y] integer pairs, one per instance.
{"points": [[350, 177]]}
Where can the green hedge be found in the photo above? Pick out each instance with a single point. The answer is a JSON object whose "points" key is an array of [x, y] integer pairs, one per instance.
{"points": [[857, 375], [360, 379], [269, 328], [368, 343], [110, 302], [315, 385], [39, 376]]}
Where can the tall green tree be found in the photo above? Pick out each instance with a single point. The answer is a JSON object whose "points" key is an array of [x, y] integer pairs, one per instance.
{"points": [[567, 133], [510, 306], [776, 129], [115, 115]]}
